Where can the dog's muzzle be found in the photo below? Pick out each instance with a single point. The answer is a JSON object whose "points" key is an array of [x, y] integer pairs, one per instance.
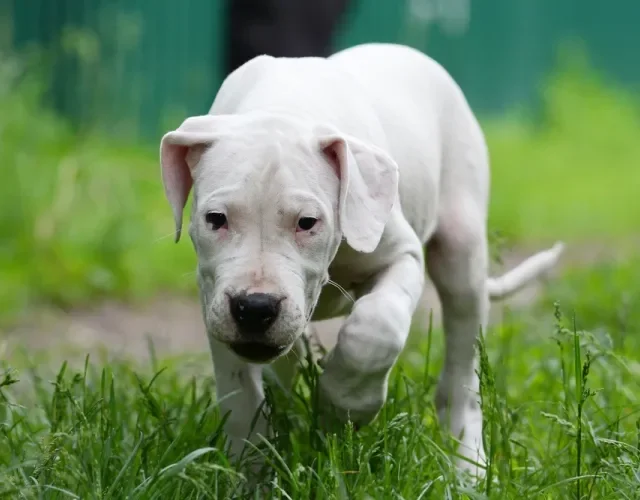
{"points": [[254, 314]]}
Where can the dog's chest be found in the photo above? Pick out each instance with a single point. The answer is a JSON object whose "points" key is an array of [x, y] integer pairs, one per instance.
{"points": [[346, 275]]}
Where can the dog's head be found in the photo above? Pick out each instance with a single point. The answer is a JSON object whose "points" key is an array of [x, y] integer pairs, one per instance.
{"points": [[272, 200]]}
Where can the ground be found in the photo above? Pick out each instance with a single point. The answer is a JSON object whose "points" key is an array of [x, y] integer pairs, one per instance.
{"points": [[174, 324]]}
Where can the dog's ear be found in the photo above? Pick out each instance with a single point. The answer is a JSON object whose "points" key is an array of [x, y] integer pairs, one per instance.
{"points": [[180, 152], [368, 188]]}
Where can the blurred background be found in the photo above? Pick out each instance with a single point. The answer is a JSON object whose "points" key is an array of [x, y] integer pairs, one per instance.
{"points": [[87, 88]]}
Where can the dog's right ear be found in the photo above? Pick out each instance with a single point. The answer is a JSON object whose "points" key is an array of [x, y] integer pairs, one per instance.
{"points": [[180, 152], [368, 187]]}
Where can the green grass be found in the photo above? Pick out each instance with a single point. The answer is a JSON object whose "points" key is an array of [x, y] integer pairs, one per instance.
{"points": [[82, 218], [560, 396], [576, 174]]}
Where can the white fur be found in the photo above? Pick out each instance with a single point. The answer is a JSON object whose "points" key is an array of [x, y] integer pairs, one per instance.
{"points": [[378, 143]]}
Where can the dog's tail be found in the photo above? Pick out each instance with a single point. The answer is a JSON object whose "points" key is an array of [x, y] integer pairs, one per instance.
{"points": [[523, 274]]}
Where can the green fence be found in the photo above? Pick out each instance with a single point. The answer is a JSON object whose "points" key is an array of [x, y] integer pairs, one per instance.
{"points": [[139, 66]]}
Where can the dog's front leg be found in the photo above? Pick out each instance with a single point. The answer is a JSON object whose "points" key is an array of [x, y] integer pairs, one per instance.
{"points": [[356, 371], [240, 393]]}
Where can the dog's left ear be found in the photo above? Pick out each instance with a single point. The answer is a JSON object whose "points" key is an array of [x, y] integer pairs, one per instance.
{"points": [[180, 152], [368, 188]]}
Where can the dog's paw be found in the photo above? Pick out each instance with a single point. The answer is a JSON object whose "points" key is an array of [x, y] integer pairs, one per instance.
{"points": [[464, 420], [345, 395], [472, 457]]}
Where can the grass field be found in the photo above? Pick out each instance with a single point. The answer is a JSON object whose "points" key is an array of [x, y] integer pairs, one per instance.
{"points": [[560, 395], [560, 391]]}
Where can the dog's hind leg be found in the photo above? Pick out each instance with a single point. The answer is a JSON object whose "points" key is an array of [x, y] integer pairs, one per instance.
{"points": [[457, 261]]}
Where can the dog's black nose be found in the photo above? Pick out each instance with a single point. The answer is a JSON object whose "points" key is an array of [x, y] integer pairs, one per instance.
{"points": [[254, 313]]}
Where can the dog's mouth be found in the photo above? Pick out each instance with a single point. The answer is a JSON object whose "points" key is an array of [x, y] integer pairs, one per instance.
{"points": [[257, 352]]}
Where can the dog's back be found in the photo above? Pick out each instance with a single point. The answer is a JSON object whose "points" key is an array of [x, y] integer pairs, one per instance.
{"points": [[430, 128]]}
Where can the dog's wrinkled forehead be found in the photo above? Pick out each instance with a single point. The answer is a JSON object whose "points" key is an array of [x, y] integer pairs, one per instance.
{"points": [[262, 161]]}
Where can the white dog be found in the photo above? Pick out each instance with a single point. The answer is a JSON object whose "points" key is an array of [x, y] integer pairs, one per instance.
{"points": [[346, 168]]}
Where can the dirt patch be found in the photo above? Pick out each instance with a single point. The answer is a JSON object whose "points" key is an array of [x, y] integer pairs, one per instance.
{"points": [[174, 326]]}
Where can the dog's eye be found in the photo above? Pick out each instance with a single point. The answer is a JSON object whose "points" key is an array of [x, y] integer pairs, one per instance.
{"points": [[306, 223], [216, 220]]}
